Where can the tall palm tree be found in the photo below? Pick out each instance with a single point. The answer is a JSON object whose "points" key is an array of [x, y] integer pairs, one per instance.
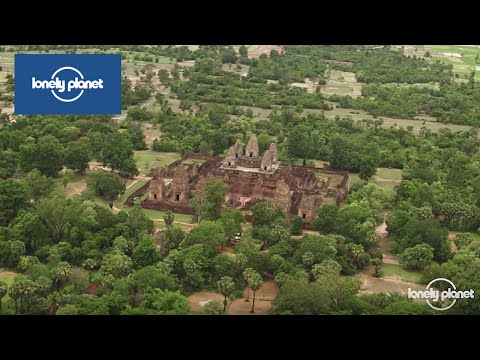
{"points": [[225, 286], [254, 283]]}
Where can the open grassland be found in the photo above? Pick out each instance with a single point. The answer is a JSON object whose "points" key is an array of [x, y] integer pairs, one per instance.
{"points": [[462, 57], [385, 178], [342, 83], [417, 123], [398, 271], [130, 191], [147, 160]]}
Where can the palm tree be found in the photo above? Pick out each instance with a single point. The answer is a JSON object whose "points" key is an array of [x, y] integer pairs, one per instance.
{"points": [[3, 291], [14, 293], [254, 283], [89, 265], [225, 286], [61, 274], [247, 273], [169, 218]]}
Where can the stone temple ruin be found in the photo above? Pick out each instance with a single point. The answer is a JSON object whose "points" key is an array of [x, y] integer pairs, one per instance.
{"points": [[250, 178]]}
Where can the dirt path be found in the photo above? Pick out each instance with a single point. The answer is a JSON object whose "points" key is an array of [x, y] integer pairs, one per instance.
{"points": [[384, 243], [8, 273]]}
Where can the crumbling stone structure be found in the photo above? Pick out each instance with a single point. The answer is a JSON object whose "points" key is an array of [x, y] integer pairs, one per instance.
{"points": [[252, 147], [250, 178], [179, 188], [157, 189]]}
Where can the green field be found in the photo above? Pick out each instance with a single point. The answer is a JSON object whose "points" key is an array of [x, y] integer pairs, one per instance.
{"points": [[147, 160], [129, 192], [462, 65], [385, 178], [398, 271], [389, 174], [387, 121]]}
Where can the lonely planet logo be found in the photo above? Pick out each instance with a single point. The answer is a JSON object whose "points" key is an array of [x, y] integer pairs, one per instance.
{"points": [[55, 84], [444, 299], [67, 84]]}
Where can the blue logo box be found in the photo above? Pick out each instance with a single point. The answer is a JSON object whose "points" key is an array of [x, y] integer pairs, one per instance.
{"points": [[68, 84]]}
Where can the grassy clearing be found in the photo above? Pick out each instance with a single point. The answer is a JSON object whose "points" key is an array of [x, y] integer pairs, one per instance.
{"points": [[154, 214], [129, 192], [417, 123], [147, 160], [8, 277], [385, 178], [389, 174], [398, 271], [462, 65], [101, 202]]}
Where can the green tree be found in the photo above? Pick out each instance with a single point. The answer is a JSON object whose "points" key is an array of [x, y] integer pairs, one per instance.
{"points": [[299, 142], [8, 163], [122, 245], [138, 223], [117, 151], [13, 197], [173, 237], [297, 226], [11, 252], [89, 265], [77, 156], [265, 213], [417, 257], [145, 253], [254, 281], [160, 302], [232, 220], [377, 264], [208, 200], [326, 218], [26, 262], [225, 286], [164, 76], [462, 240], [47, 156], [136, 136], [169, 218], [3, 292], [117, 265], [61, 274], [213, 308], [243, 51], [208, 233], [298, 297], [38, 185], [327, 268], [106, 184]]}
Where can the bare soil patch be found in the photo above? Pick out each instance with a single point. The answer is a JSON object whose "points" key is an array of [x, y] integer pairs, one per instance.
{"points": [[187, 63], [151, 133], [386, 284], [242, 307], [264, 49], [267, 292], [200, 299]]}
